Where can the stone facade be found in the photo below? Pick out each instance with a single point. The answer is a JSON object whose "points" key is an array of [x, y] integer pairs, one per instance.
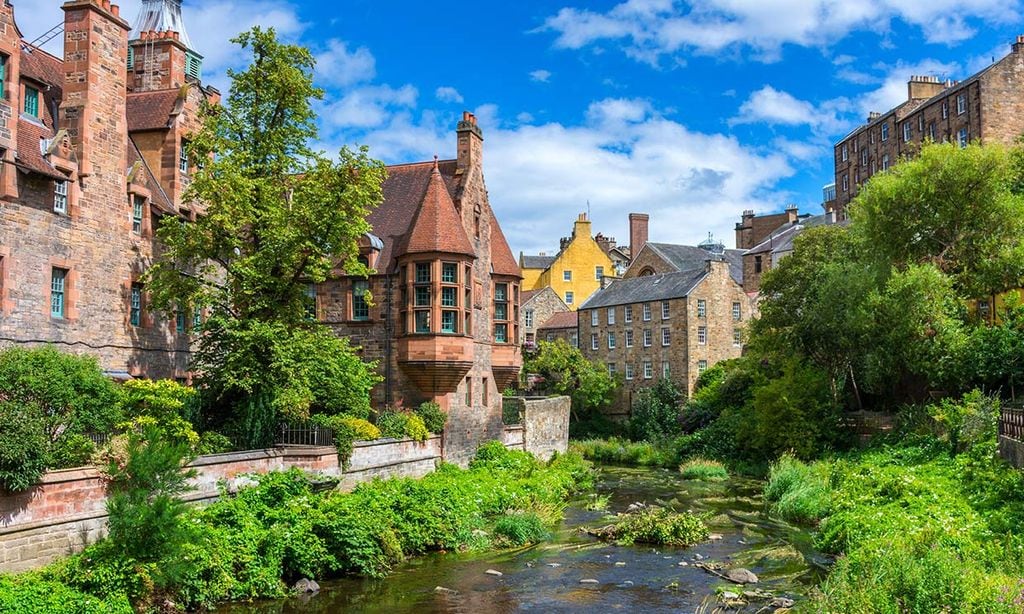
{"points": [[988, 106], [85, 146], [753, 229], [671, 325], [563, 326], [538, 306]]}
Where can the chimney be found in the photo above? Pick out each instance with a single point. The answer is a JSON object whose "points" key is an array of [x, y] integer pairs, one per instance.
{"points": [[161, 50], [1018, 45], [470, 143], [607, 244], [923, 87], [637, 233], [873, 115], [93, 109], [792, 213]]}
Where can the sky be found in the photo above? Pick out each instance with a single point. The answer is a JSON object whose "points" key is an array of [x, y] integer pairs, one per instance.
{"points": [[690, 111]]}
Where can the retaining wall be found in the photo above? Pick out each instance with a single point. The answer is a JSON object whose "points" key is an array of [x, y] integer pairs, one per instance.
{"points": [[1012, 451]]}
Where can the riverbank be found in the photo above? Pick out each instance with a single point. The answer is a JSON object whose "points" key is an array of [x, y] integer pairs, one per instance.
{"points": [[257, 543]]}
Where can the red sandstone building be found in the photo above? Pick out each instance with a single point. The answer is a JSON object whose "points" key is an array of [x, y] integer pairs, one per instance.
{"points": [[92, 146]]}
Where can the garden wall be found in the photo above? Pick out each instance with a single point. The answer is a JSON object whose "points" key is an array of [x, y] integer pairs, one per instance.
{"points": [[544, 422], [1012, 451]]}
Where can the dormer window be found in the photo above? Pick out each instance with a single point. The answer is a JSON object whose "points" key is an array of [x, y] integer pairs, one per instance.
{"points": [[31, 101], [3, 74], [60, 197], [138, 208]]}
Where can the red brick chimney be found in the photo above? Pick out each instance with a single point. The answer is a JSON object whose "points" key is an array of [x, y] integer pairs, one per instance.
{"points": [[470, 143], [93, 109], [637, 233], [159, 61]]}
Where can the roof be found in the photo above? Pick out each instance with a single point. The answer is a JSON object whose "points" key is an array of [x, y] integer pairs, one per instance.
{"points": [[158, 197], [689, 257], [502, 260], [649, 288], [438, 226], [29, 154], [561, 319], [528, 295], [160, 16], [781, 239], [151, 110], [536, 262], [40, 66]]}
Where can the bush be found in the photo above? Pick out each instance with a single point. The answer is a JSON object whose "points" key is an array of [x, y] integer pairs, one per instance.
{"points": [[703, 469], [163, 399], [23, 447], [660, 526], [415, 429], [392, 424], [623, 452], [213, 443], [30, 594], [799, 492], [519, 528], [434, 418], [655, 412]]}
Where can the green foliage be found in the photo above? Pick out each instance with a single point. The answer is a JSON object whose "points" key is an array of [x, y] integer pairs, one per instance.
{"points": [[415, 429], [703, 469], [213, 443], [798, 492], [392, 424], [566, 371], [660, 526], [361, 429], [23, 446], [968, 422], [30, 594], [279, 217], [994, 355], [434, 418], [161, 399], [519, 528], [618, 451], [655, 412]]}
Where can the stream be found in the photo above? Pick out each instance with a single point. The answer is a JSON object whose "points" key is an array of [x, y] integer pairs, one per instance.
{"points": [[546, 577]]}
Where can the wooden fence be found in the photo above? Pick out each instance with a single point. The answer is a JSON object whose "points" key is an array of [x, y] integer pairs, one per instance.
{"points": [[1011, 423]]}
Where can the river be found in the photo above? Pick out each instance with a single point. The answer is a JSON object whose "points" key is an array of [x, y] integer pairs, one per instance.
{"points": [[546, 577]]}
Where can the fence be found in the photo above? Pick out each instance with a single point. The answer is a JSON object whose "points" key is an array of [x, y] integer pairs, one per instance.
{"points": [[304, 435], [1011, 423]]}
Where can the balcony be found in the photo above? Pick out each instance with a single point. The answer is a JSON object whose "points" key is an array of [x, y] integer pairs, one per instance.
{"points": [[436, 364]]}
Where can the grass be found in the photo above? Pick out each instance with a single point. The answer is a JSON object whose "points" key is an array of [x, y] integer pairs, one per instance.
{"points": [[704, 470], [799, 492]]}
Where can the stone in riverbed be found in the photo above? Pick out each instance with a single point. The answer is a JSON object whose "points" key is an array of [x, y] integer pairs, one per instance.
{"points": [[620, 563], [554, 564], [589, 581], [729, 595], [683, 564], [494, 572], [445, 591], [741, 576], [781, 602], [715, 537], [306, 585]]}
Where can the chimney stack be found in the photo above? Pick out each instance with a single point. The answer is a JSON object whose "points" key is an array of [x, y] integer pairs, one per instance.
{"points": [[1018, 45], [470, 143], [923, 87], [637, 233], [792, 213]]}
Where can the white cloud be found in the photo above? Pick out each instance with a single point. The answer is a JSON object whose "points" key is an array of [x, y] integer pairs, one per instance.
{"points": [[338, 67], [775, 107], [892, 89], [448, 94], [650, 29], [368, 106], [540, 75], [524, 118]]}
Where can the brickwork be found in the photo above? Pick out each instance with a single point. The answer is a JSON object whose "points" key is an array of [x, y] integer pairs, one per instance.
{"points": [[535, 313], [752, 229], [988, 106]]}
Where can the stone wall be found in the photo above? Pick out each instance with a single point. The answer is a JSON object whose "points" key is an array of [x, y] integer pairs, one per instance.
{"points": [[387, 458], [544, 424], [1012, 451]]}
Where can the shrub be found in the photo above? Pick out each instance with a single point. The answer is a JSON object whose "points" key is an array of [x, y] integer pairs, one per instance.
{"points": [[703, 469], [519, 528], [361, 429], [415, 429], [623, 452], [799, 492], [655, 525], [655, 413], [30, 594], [434, 418], [162, 399], [392, 424], [23, 447], [213, 443]]}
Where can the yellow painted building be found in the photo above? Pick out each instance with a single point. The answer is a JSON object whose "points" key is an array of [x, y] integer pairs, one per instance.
{"points": [[575, 272]]}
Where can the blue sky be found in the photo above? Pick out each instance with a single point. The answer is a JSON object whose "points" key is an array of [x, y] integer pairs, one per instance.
{"points": [[689, 111]]}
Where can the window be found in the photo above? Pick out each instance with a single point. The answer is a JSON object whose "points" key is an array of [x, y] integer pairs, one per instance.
{"points": [[885, 131], [920, 123], [702, 308], [423, 272], [180, 319], [664, 310], [702, 335], [422, 296], [31, 101], [501, 313], [665, 370], [846, 183], [961, 137], [599, 273], [138, 207], [183, 157], [611, 369], [569, 298], [3, 69], [611, 316], [58, 278], [737, 338], [449, 322], [961, 104], [648, 371], [135, 313], [931, 130], [197, 318], [593, 341], [311, 301], [757, 264], [844, 155], [647, 312], [549, 337], [528, 318], [131, 58], [566, 275], [945, 109], [864, 157], [60, 196], [666, 337], [628, 313], [737, 311], [422, 321], [594, 318], [983, 309], [611, 340], [449, 273], [885, 162], [450, 298], [629, 371], [702, 366], [574, 339], [647, 337], [906, 131], [629, 338], [360, 307]]}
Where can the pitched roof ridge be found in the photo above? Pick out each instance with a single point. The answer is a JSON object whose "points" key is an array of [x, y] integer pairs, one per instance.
{"points": [[437, 226], [435, 161]]}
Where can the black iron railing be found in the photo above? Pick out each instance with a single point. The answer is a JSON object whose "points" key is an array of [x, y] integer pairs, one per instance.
{"points": [[304, 435]]}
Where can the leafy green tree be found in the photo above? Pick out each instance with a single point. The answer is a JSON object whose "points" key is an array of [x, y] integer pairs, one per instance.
{"points": [[954, 208], [994, 355], [566, 371], [655, 412], [279, 216]]}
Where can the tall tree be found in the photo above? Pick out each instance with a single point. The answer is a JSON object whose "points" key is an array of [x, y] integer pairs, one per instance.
{"points": [[278, 217]]}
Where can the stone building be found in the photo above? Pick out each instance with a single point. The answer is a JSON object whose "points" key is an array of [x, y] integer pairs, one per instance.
{"points": [[537, 307], [988, 106], [672, 325], [443, 321], [575, 272], [93, 151], [563, 325]]}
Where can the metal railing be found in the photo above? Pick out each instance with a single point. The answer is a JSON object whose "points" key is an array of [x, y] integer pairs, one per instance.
{"points": [[1011, 423], [304, 435]]}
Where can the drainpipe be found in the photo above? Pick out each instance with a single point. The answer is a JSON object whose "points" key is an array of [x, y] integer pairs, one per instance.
{"points": [[389, 328]]}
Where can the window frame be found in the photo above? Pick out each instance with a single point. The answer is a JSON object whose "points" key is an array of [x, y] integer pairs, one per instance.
{"points": [[360, 307], [611, 316], [611, 340], [647, 312], [648, 338], [737, 311], [628, 337], [884, 129], [666, 336], [138, 214], [135, 304], [59, 292], [35, 101], [627, 314], [702, 308], [567, 275], [595, 318], [666, 310], [961, 103], [595, 341], [570, 297], [702, 335], [61, 196], [648, 370]]}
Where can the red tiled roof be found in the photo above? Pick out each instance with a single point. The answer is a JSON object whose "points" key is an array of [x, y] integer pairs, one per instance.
{"points": [[502, 260], [438, 227], [151, 110], [29, 155], [562, 319], [40, 66], [403, 190], [526, 295]]}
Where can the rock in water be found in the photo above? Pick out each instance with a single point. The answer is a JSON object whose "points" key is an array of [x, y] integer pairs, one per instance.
{"points": [[741, 576], [589, 581], [729, 595], [306, 585], [781, 602], [445, 591], [494, 572]]}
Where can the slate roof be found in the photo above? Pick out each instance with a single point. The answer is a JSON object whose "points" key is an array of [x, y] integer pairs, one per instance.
{"points": [[502, 260], [689, 257], [561, 319], [536, 262], [152, 110], [648, 288], [438, 227]]}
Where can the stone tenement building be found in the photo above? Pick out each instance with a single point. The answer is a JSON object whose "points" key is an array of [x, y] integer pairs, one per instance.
{"points": [[673, 325], [988, 106], [575, 272], [93, 147], [563, 325], [444, 318], [537, 308]]}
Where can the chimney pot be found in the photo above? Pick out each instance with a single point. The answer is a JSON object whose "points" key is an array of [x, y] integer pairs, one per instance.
{"points": [[116, 10]]}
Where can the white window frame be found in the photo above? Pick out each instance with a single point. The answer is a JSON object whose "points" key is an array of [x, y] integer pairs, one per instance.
{"points": [[628, 337], [611, 340], [528, 318], [962, 137], [570, 298], [647, 312], [961, 104], [665, 310], [666, 336], [885, 162], [594, 318], [629, 371], [702, 335], [183, 157], [737, 338], [846, 182], [574, 339], [844, 153], [666, 369], [598, 273], [907, 131], [627, 313], [611, 316], [60, 196], [648, 338], [567, 275], [648, 370], [737, 311], [702, 308], [611, 369], [885, 131], [702, 366], [594, 341], [945, 108]]}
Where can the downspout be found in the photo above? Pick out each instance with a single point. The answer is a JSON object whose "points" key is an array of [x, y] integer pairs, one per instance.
{"points": [[389, 329]]}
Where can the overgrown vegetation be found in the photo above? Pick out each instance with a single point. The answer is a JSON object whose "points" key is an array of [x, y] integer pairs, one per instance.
{"points": [[703, 469], [656, 525], [564, 370]]}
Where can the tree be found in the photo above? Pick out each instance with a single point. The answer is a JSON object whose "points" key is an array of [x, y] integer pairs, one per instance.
{"points": [[954, 208], [567, 371], [279, 217], [655, 413]]}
